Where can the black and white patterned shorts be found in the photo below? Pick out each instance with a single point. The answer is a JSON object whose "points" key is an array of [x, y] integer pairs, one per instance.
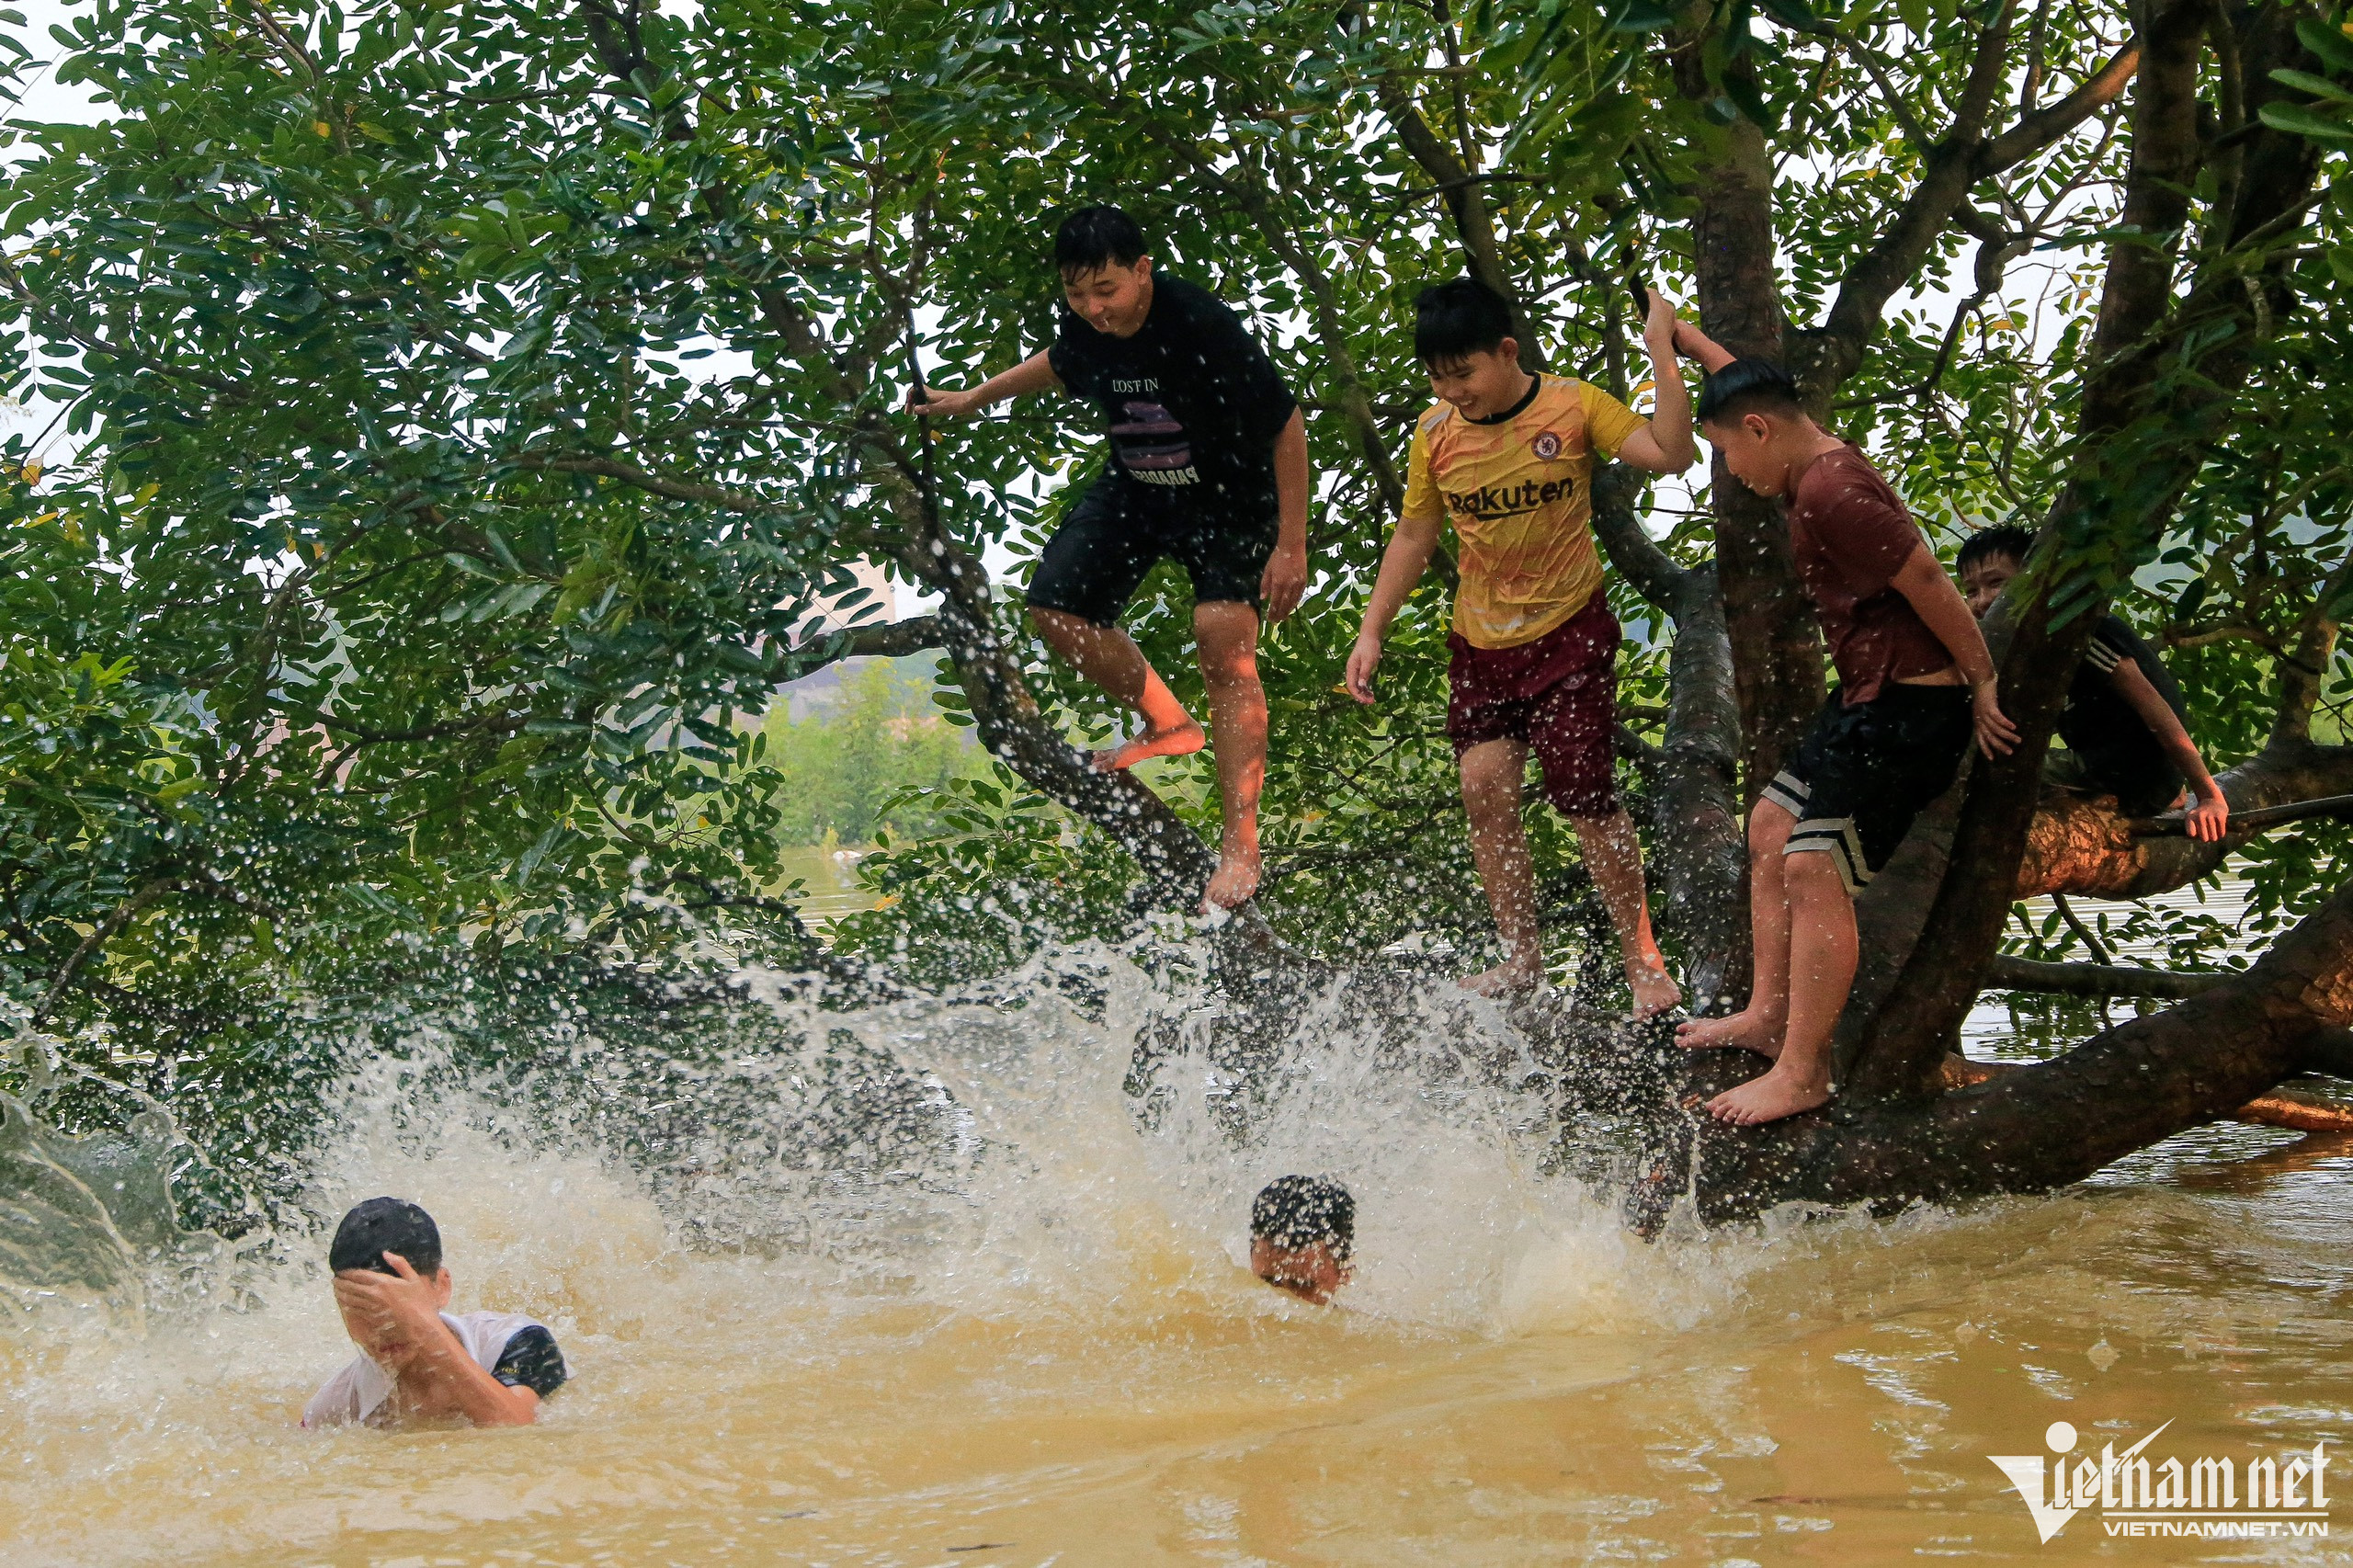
{"points": [[1863, 773]]}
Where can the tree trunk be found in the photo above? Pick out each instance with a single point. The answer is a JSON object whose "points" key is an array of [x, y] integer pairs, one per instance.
{"points": [[2123, 486], [1775, 645], [2038, 1127]]}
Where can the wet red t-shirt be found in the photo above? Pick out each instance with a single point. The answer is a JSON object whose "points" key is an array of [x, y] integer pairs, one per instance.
{"points": [[1850, 534]]}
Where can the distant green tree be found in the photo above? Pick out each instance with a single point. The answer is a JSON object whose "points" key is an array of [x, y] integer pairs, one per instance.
{"points": [[876, 761]]}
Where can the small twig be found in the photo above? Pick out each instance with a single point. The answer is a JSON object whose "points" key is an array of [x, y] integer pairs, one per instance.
{"points": [[2174, 826]]}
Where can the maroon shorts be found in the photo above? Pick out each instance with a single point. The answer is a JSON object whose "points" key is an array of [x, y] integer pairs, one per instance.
{"points": [[1557, 695]]}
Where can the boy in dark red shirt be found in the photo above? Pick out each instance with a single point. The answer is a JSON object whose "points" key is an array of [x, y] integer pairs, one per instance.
{"points": [[1914, 682]]}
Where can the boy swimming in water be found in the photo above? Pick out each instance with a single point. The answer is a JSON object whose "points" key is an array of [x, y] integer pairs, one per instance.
{"points": [[1508, 456], [1915, 684], [1303, 1235], [418, 1362], [1208, 468], [2125, 720]]}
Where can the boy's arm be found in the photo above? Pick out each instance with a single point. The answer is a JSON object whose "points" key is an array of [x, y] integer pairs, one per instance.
{"points": [[2210, 814], [432, 1367], [1940, 607], [1285, 578], [1693, 344], [1033, 374], [1664, 445], [453, 1380], [1401, 565]]}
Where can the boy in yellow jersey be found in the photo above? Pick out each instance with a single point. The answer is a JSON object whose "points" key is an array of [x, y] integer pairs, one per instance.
{"points": [[1508, 456]]}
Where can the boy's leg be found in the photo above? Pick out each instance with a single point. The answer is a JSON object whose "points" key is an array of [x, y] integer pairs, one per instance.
{"points": [[1572, 726], [1227, 631], [1492, 771], [1613, 855], [1821, 973], [1109, 657], [1761, 1026], [1086, 575]]}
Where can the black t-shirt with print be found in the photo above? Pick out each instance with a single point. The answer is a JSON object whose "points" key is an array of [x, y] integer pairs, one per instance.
{"points": [[2113, 745], [1193, 402]]}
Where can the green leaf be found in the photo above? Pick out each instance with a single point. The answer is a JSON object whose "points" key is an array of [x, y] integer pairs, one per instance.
{"points": [[2298, 120], [2319, 87], [1640, 17], [2332, 43]]}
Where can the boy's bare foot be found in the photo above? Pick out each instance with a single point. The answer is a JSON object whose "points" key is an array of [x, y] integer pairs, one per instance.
{"points": [[1744, 1031], [1769, 1098], [1512, 977], [1180, 740], [1235, 879], [1655, 989]]}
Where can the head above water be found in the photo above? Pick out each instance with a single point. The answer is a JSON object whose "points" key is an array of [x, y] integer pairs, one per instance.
{"points": [[1462, 336], [1750, 413], [1107, 276], [1303, 1234], [1988, 560], [381, 1225]]}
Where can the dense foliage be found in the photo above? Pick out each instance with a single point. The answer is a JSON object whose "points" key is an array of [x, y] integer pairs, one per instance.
{"points": [[473, 403]]}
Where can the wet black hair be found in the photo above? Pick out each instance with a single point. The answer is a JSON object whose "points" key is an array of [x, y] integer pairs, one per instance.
{"points": [[1746, 386], [1455, 320], [2002, 539], [383, 1225], [1097, 237], [1295, 1211]]}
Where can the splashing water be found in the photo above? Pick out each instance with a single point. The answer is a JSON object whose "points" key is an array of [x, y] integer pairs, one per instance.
{"points": [[951, 1281]]}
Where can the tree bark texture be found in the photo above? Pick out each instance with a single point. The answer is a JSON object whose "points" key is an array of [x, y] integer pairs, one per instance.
{"points": [[1775, 644], [2034, 1128]]}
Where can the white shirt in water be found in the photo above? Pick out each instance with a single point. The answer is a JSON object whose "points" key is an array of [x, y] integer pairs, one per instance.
{"points": [[354, 1394]]}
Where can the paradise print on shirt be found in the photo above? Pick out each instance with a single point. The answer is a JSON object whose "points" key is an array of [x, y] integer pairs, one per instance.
{"points": [[1152, 445]]}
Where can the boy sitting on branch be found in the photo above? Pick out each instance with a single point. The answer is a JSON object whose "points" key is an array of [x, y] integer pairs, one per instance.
{"points": [[2125, 722]]}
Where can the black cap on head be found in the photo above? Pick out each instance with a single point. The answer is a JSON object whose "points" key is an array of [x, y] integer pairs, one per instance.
{"points": [[1746, 386], [383, 1225], [1300, 1210], [1097, 237], [2002, 539], [1455, 320]]}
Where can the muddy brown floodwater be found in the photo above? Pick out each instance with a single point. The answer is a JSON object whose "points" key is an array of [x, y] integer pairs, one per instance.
{"points": [[1083, 1374]]}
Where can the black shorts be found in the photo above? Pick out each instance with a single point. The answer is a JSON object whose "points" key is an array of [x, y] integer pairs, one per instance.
{"points": [[1119, 532], [1863, 773], [2142, 791]]}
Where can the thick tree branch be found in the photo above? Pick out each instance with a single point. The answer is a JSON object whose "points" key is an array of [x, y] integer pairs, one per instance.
{"points": [[1473, 225], [1618, 525]]}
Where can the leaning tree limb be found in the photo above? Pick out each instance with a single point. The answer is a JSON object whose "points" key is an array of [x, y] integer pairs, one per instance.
{"points": [[2079, 845], [2286, 1107], [2010, 974], [2033, 1129]]}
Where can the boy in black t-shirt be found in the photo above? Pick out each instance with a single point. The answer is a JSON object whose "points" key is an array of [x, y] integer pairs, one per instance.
{"points": [[2124, 722], [1208, 467]]}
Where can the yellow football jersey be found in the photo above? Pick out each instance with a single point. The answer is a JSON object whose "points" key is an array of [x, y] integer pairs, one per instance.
{"points": [[1519, 494]]}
